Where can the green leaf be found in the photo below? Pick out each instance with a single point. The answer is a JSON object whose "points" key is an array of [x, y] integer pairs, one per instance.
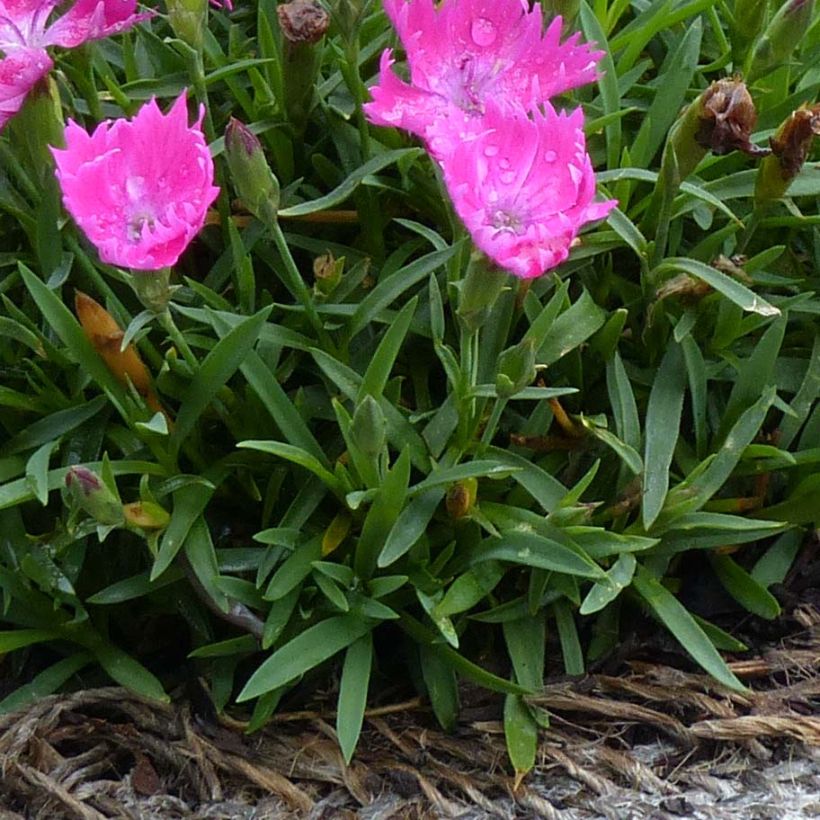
{"points": [[521, 735], [134, 587], [53, 426], [343, 191], [605, 591], [306, 651], [62, 321], [419, 633], [662, 425], [353, 694], [773, 566], [533, 550], [743, 588], [410, 526], [679, 621], [280, 408], [45, 683], [189, 503], [382, 516], [442, 687], [730, 288], [297, 456], [570, 329], [18, 638], [37, 471], [378, 371], [219, 365], [295, 569], [757, 372], [390, 289]]}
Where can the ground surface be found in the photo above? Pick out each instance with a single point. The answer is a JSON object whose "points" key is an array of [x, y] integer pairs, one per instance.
{"points": [[653, 742]]}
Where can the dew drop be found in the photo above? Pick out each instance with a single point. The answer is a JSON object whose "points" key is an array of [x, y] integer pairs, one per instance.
{"points": [[490, 150], [483, 31], [507, 177], [550, 156]]}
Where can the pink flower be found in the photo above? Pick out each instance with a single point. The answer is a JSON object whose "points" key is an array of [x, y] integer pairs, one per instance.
{"points": [[524, 187], [139, 188], [25, 33], [20, 70], [467, 52]]}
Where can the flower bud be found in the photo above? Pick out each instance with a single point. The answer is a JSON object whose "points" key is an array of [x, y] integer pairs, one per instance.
{"points": [[777, 43], [252, 177], [461, 497], [328, 273], [92, 495], [790, 148], [303, 24], [146, 515], [516, 369], [478, 291], [102, 330], [188, 19], [368, 427]]}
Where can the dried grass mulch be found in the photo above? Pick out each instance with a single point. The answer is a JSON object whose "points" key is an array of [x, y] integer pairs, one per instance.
{"points": [[655, 742]]}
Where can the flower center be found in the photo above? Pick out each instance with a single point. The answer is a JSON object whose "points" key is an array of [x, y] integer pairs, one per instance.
{"points": [[503, 219]]}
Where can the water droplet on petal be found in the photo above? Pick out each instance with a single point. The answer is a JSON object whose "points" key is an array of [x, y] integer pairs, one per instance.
{"points": [[483, 31], [550, 156], [507, 177], [490, 150]]}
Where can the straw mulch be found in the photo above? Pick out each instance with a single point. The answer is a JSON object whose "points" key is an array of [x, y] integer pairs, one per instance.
{"points": [[653, 742]]}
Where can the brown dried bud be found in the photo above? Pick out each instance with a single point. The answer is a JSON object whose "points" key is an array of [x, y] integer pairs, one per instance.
{"points": [[790, 149], [792, 142], [727, 118], [303, 21], [461, 497]]}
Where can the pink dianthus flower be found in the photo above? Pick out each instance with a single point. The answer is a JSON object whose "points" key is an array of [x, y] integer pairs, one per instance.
{"points": [[466, 52], [139, 189], [524, 187], [25, 34]]}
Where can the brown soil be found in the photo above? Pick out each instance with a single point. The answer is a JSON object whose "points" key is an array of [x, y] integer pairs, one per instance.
{"points": [[655, 742]]}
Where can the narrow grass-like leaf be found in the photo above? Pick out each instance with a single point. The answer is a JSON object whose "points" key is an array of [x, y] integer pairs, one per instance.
{"points": [[297, 456], [743, 588], [679, 621], [306, 651], [662, 426], [378, 371], [389, 290], [410, 525], [346, 188], [442, 686], [219, 365], [730, 288], [353, 694]]}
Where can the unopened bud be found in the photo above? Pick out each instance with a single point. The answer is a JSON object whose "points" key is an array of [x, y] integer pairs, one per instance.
{"points": [[790, 148], [146, 515], [252, 177], [778, 41], [516, 369], [461, 497], [188, 19], [303, 24], [478, 291], [369, 428], [327, 271], [91, 495], [105, 335]]}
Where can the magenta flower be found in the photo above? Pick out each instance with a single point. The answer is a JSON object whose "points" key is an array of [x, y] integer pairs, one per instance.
{"points": [[25, 33], [139, 188], [524, 187], [467, 52]]}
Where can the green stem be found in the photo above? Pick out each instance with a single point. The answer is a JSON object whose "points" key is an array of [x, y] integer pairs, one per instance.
{"points": [[296, 285], [492, 423], [167, 322]]}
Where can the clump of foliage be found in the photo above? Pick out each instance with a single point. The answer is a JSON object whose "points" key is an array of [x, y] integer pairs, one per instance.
{"points": [[346, 442]]}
